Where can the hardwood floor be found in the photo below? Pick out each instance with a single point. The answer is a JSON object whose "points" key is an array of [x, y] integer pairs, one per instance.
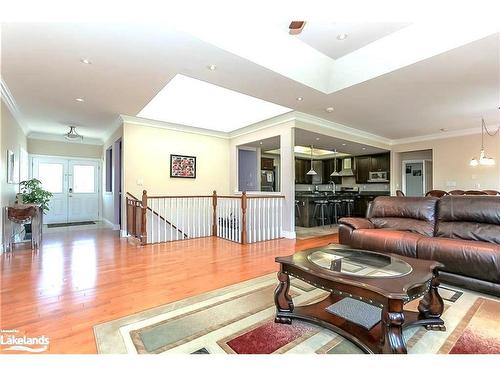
{"points": [[82, 278]]}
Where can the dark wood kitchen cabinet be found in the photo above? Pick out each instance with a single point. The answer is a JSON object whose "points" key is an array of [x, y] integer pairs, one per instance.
{"points": [[302, 166], [328, 167], [362, 168], [266, 164], [371, 163]]}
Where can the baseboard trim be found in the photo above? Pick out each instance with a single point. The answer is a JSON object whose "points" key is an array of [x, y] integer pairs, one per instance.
{"points": [[110, 224], [289, 235]]}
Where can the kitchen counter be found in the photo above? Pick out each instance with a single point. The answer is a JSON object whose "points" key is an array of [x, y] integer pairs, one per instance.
{"points": [[306, 203]]}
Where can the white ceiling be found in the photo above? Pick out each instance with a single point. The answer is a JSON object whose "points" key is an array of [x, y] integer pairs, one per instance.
{"points": [[322, 35], [132, 62]]}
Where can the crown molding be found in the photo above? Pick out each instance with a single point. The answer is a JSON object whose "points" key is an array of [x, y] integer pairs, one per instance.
{"points": [[60, 138], [433, 137], [11, 104], [347, 130], [264, 124], [171, 126]]}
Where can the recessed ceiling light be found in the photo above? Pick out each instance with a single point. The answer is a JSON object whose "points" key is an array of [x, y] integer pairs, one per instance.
{"points": [[363, 148], [300, 98], [344, 144], [212, 67], [85, 61], [261, 143], [342, 36], [317, 138], [329, 109], [80, 100]]}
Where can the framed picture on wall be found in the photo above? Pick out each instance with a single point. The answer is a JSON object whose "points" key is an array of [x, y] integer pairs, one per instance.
{"points": [[11, 167], [182, 166]]}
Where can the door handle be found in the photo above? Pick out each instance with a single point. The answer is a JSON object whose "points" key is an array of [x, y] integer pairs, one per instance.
{"points": [[70, 190]]}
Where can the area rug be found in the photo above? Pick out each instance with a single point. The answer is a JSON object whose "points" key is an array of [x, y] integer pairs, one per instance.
{"points": [[238, 319], [60, 225]]}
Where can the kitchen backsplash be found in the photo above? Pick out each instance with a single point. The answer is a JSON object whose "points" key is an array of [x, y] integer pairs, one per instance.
{"points": [[327, 187]]}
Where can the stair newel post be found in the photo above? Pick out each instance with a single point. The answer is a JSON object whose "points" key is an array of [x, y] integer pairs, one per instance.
{"points": [[244, 202], [144, 207], [214, 214]]}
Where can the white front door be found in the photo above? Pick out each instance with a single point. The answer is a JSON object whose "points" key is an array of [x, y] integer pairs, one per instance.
{"points": [[83, 195], [74, 185]]}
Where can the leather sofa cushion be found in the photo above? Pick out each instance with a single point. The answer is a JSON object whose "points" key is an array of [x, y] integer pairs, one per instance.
{"points": [[405, 207], [386, 241], [411, 225], [471, 258], [415, 215], [469, 218]]}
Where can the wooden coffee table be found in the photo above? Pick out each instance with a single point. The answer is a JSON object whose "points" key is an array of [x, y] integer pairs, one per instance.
{"points": [[386, 281]]}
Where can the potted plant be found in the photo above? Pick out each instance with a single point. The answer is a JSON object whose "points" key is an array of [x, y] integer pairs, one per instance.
{"points": [[31, 192]]}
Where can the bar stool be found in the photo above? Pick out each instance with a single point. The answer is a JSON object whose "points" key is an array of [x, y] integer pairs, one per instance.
{"points": [[336, 206], [321, 207], [297, 211], [349, 205]]}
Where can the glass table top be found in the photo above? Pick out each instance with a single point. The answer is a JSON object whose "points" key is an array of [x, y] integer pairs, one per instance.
{"points": [[359, 263]]}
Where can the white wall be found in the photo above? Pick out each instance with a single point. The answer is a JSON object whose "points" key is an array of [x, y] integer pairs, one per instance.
{"points": [[12, 138], [146, 160], [63, 149], [450, 159]]}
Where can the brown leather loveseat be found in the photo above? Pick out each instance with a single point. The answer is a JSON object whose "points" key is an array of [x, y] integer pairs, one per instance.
{"points": [[461, 232]]}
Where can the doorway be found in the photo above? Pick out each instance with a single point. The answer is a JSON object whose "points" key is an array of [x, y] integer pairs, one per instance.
{"points": [[416, 177], [74, 184]]}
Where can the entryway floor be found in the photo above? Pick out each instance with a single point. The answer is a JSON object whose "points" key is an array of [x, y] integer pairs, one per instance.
{"points": [[71, 228]]}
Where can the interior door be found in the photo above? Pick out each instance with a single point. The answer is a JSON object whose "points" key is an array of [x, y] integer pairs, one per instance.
{"points": [[83, 190], [52, 172], [414, 179]]}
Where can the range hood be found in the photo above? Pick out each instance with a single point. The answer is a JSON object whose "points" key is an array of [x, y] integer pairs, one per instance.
{"points": [[346, 168]]}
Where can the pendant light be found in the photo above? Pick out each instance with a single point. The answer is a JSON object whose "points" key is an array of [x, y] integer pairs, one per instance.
{"points": [[72, 135], [335, 173], [312, 172], [483, 158]]}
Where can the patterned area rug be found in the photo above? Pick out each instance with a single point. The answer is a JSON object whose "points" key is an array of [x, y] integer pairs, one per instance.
{"points": [[239, 319]]}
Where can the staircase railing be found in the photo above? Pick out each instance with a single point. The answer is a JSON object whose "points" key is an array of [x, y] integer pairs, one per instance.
{"points": [[238, 218]]}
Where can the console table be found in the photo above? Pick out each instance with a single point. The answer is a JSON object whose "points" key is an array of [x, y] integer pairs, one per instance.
{"points": [[23, 214]]}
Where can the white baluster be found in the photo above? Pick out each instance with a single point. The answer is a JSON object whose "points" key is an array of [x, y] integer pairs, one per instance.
{"points": [[280, 213], [259, 220]]}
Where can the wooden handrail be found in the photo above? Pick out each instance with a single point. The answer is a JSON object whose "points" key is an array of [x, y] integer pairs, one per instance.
{"points": [[157, 214], [178, 196], [265, 196], [243, 198]]}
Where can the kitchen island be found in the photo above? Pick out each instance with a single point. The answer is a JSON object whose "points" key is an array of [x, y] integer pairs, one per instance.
{"points": [[306, 204]]}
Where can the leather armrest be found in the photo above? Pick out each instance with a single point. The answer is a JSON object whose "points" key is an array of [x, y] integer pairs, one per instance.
{"points": [[350, 224], [356, 223]]}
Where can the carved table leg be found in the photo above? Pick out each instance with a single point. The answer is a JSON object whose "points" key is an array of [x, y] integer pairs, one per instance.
{"points": [[282, 299], [392, 328], [431, 306]]}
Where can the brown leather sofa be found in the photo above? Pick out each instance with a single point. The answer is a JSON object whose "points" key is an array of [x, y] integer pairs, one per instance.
{"points": [[461, 232]]}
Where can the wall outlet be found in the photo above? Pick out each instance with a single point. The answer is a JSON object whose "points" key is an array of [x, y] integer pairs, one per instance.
{"points": [[473, 177], [478, 186], [140, 182]]}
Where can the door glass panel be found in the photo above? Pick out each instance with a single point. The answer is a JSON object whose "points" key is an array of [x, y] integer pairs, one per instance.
{"points": [[83, 179], [51, 176]]}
